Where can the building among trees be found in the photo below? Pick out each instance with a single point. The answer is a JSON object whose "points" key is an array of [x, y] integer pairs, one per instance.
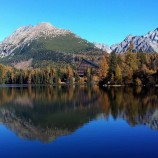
{"points": [[85, 65]]}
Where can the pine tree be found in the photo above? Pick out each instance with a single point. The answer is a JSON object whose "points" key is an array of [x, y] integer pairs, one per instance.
{"points": [[141, 58], [69, 74], [118, 75], [88, 74], [112, 65], [29, 76], [2, 74], [131, 59]]}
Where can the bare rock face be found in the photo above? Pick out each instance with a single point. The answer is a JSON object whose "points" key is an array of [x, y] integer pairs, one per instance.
{"points": [[22, 40], [25, 35], [103, 47], [147, 43]]}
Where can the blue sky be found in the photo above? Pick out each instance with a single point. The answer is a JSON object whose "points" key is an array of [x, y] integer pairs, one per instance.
{"points": [[106, 21]]}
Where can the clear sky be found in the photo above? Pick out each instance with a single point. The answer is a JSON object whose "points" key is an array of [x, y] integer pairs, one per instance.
{"points": [[106, 21]]}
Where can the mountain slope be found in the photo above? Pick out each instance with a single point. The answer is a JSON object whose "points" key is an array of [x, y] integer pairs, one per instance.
{"points": [[148, 43], [41, 42], [103, 47]]}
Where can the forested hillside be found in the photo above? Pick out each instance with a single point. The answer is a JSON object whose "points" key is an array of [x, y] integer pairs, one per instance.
{"points": [[124, 69]]}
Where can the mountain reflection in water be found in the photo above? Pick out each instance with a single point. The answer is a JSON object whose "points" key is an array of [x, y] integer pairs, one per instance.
{"points": [[45, 113]]}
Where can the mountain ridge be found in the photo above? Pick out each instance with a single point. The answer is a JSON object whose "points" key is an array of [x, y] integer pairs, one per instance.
{"points": [[147, 43], [45, 42], [103, 47], [25, 35], [42, 42]]}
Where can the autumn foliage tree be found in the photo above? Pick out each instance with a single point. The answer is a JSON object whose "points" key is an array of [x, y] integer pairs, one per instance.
{"points": [[103, 68], [129, 68]]}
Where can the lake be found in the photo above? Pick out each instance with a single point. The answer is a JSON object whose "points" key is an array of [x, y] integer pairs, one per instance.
{"points": [[73, 122]]}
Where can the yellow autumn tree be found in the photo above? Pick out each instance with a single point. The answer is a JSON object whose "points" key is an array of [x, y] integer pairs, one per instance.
{"points": [[103, 68], [118, 75], [69, 74]]}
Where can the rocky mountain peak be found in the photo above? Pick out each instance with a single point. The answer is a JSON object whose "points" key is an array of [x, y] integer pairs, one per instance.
{"points": [[25, 35], [45, 26], [103, 47], [27, 42], [152, 35], [148, 43], [129, 37]]}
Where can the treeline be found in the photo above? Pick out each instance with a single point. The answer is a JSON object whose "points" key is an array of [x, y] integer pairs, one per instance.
{"points": [[130, 68], [47, 75], [51, 74]]}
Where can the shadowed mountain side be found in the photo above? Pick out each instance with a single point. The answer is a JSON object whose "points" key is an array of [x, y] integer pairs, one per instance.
{"points": [[31, 46]]}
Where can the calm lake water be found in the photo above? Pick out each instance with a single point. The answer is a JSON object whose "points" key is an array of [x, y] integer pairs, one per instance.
{"points": [[68, 122]]}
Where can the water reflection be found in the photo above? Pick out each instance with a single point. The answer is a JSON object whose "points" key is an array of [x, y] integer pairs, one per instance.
{"points": [[45, 113], [136, 106]]}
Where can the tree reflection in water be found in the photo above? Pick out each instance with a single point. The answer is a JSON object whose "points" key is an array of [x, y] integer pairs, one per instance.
{"points": [[44, 113]]}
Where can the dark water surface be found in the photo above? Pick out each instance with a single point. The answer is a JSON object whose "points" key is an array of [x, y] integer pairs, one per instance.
{"points": [[77, 122]]}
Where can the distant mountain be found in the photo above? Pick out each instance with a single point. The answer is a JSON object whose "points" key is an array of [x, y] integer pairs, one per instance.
{"points": [[103, 47], [148, 43], [42, 42]]}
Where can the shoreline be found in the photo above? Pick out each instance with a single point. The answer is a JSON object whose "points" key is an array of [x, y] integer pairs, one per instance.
{"points": [[74, 84]]}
